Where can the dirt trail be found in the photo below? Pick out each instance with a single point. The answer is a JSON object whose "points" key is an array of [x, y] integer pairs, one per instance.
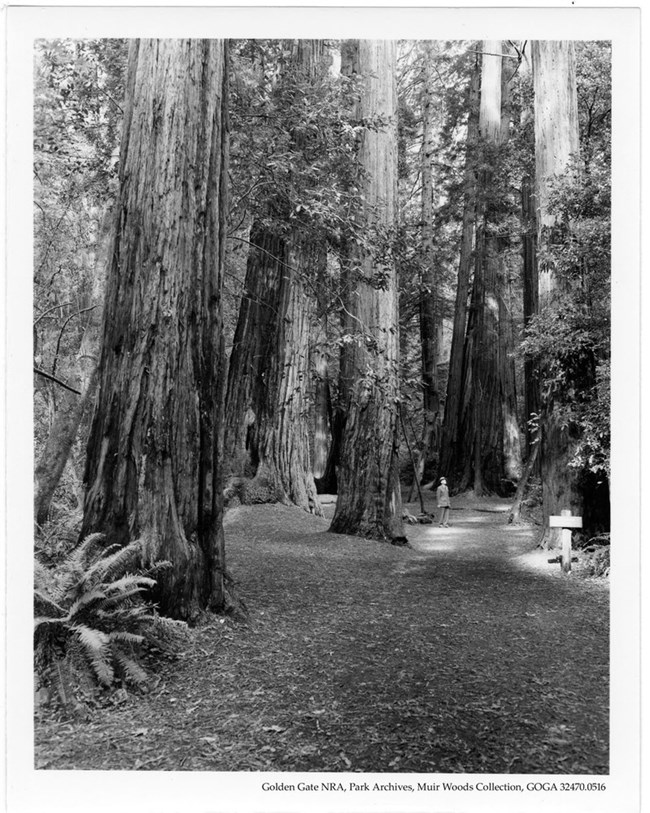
{"points": [[466, 653]]}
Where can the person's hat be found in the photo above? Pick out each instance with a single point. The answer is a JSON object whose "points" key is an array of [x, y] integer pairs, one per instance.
{"points": [[443, 479]]}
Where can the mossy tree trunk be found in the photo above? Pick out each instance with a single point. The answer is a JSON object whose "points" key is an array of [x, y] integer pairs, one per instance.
{"points": [[154, 458], [369, 500]]}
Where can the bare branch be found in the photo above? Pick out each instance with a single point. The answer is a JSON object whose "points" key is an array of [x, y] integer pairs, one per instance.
{"points": [[56, 380]]}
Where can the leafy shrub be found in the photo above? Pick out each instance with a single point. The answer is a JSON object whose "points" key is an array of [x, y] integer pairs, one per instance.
{"points": [[91, 617]]}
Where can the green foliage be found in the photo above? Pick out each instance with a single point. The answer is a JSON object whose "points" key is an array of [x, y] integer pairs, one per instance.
{"points": [[570, 340], [91, 615]]}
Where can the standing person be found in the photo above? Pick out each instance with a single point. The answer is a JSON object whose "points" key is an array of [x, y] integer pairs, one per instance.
{"points": [[442, 495]]}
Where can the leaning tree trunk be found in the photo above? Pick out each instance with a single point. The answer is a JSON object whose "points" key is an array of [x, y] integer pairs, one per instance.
{"points": [[556, 142], [450, 458], [56, 452], [154, 462], [369, 500]]}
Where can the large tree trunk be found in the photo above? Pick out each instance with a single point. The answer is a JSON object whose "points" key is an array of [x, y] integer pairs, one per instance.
{"points": [[267, 413], [252, 350], [450, 453], [369, 500], [154, 463], [281, 428], [556, 141]]}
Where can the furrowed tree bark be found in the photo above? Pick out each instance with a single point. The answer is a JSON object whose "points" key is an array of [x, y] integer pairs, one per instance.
{"points": [[154, 458], [267, 408], [449, 455], [369, 500], [487, 451], [322, 402], [556, 142]]}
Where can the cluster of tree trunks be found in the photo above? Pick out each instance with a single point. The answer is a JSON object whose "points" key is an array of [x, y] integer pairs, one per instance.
{"points": [[481, 445]]}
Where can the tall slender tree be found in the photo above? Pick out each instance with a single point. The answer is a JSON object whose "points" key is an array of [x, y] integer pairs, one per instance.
{"points": [[154, 459], [450, 449], [430, 311], [556, 143], [369, 501]]}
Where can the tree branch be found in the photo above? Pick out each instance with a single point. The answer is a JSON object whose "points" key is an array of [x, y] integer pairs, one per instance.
{"points": [[56, 381]]}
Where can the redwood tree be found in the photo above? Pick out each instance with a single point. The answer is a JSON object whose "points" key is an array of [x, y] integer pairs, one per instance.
{"points": [[266, 405], [450, 449], [154, 460], [556, 143], [369, 500], [485, 450]]}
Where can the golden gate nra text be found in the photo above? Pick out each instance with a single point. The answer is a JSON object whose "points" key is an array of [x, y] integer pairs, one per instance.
{"points": [[399, 787]]}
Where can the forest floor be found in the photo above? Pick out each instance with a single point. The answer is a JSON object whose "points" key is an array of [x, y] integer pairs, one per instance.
{"points": [[465, 653]]}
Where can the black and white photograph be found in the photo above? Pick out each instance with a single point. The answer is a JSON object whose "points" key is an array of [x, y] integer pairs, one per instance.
{"points": [[329, 454]]}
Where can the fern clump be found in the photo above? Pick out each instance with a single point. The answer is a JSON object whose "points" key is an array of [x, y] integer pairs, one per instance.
{"points": [[91, 616]]}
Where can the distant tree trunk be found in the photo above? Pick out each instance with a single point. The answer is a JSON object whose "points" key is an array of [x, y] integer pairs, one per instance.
{"points": [[487, 452], [281, 428], [251, 352], [322, 402], [512, 440], [58, 446], [430, 315], [556, 141], [72, 409], [515, 511], [154, 461], [449, 453], [266, 407], [369, 500], [529, 249]]}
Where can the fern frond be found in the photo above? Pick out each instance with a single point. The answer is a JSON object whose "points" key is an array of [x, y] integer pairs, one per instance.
{"points": [[115, 564], [130, 670], [47, 621], [87, 600], [89, 549], [45, 606], [123, 637], [96, 648], [129, 581]]}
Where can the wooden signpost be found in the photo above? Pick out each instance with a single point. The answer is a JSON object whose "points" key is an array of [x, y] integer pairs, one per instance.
{"points": [[567, 523]]}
